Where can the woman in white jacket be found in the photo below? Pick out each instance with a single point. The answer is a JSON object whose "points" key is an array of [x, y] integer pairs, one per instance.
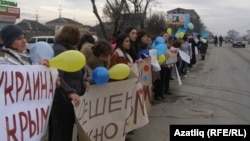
{"points": [[14, 51]]}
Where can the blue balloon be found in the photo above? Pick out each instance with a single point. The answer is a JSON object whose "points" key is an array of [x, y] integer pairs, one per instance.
{"points": [[153, 44], [160, 45], [100, 75], [177, 36], [161, 49], [41, 50], [190, 26], [159, 40]]}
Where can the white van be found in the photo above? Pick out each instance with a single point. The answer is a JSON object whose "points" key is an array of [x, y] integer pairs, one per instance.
{"points": [[49, 39]]}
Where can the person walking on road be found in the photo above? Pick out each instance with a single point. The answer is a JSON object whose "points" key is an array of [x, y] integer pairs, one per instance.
{"points": [[220, 40], [215, 40]]}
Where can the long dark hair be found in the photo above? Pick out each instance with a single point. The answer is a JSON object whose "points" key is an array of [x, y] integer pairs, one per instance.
{"points": [[119, 41], [133, 45], [129, 29]]}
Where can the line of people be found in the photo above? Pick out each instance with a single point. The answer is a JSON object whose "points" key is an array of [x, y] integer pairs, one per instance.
{"points": [[130, 46], [191, 45]]}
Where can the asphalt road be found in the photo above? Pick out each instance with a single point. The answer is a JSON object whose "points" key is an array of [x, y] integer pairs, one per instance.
{"points": [[216, 91]]}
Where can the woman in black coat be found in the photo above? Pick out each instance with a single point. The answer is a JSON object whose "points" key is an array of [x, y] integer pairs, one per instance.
{"points": [[203, 49], [62, 117], [193, 45]]}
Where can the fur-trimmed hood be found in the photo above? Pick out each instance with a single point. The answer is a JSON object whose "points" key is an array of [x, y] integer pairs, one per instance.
{"points": [[92, 60]]}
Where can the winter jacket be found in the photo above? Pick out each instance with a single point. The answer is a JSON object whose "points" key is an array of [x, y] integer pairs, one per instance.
{"points": [[143, 51], [185, 47], [71, 82], [119, 57], [11, 57], [133, 50], [92, 61]]}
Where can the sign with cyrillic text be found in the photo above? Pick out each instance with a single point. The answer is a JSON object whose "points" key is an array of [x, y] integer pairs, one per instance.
{"points": [[26, 94], [108, 112]]}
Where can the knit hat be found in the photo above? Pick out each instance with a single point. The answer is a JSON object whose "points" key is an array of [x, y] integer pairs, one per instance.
{"points": [[10, 33]]}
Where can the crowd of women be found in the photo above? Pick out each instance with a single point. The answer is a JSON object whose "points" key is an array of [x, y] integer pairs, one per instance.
{"points": [[128, 47]]}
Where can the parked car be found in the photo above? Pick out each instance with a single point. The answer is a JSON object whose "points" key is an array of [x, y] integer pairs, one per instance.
{"points": [[238, 42], [210, 40], [228, 40], [49, 39]]}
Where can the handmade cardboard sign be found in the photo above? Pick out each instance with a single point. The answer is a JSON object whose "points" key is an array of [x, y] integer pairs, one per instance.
{"points": [[110, 111]]}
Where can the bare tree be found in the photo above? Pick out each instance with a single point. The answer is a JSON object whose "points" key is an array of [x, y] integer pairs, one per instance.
{"points": [[156, 24], [140, 10], [113, 11], [99, 19], [233, 33]]}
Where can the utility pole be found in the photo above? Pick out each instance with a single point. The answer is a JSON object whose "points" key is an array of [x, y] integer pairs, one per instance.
{"points": [[36, 15], [60, 11]]}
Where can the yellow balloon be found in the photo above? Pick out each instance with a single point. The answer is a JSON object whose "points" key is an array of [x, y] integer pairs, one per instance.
{"points": [[69, 61], [161, 59], [203, 40], [169, 31], [181, 35], [119, 71]]}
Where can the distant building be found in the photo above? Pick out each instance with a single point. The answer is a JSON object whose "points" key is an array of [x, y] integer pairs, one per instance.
{"points": [[191, 12], [33, 28], [194, 19], [131, 19], [64, 21], [9, 12]]}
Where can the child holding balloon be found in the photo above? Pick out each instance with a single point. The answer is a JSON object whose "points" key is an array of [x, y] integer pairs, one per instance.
{"points": [[97, 55]]}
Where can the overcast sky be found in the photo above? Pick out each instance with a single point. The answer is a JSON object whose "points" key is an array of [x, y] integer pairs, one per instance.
{"points": [[218, 15]]}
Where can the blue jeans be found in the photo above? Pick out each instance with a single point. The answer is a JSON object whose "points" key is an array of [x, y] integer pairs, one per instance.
{"points": [[182, 67]]}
